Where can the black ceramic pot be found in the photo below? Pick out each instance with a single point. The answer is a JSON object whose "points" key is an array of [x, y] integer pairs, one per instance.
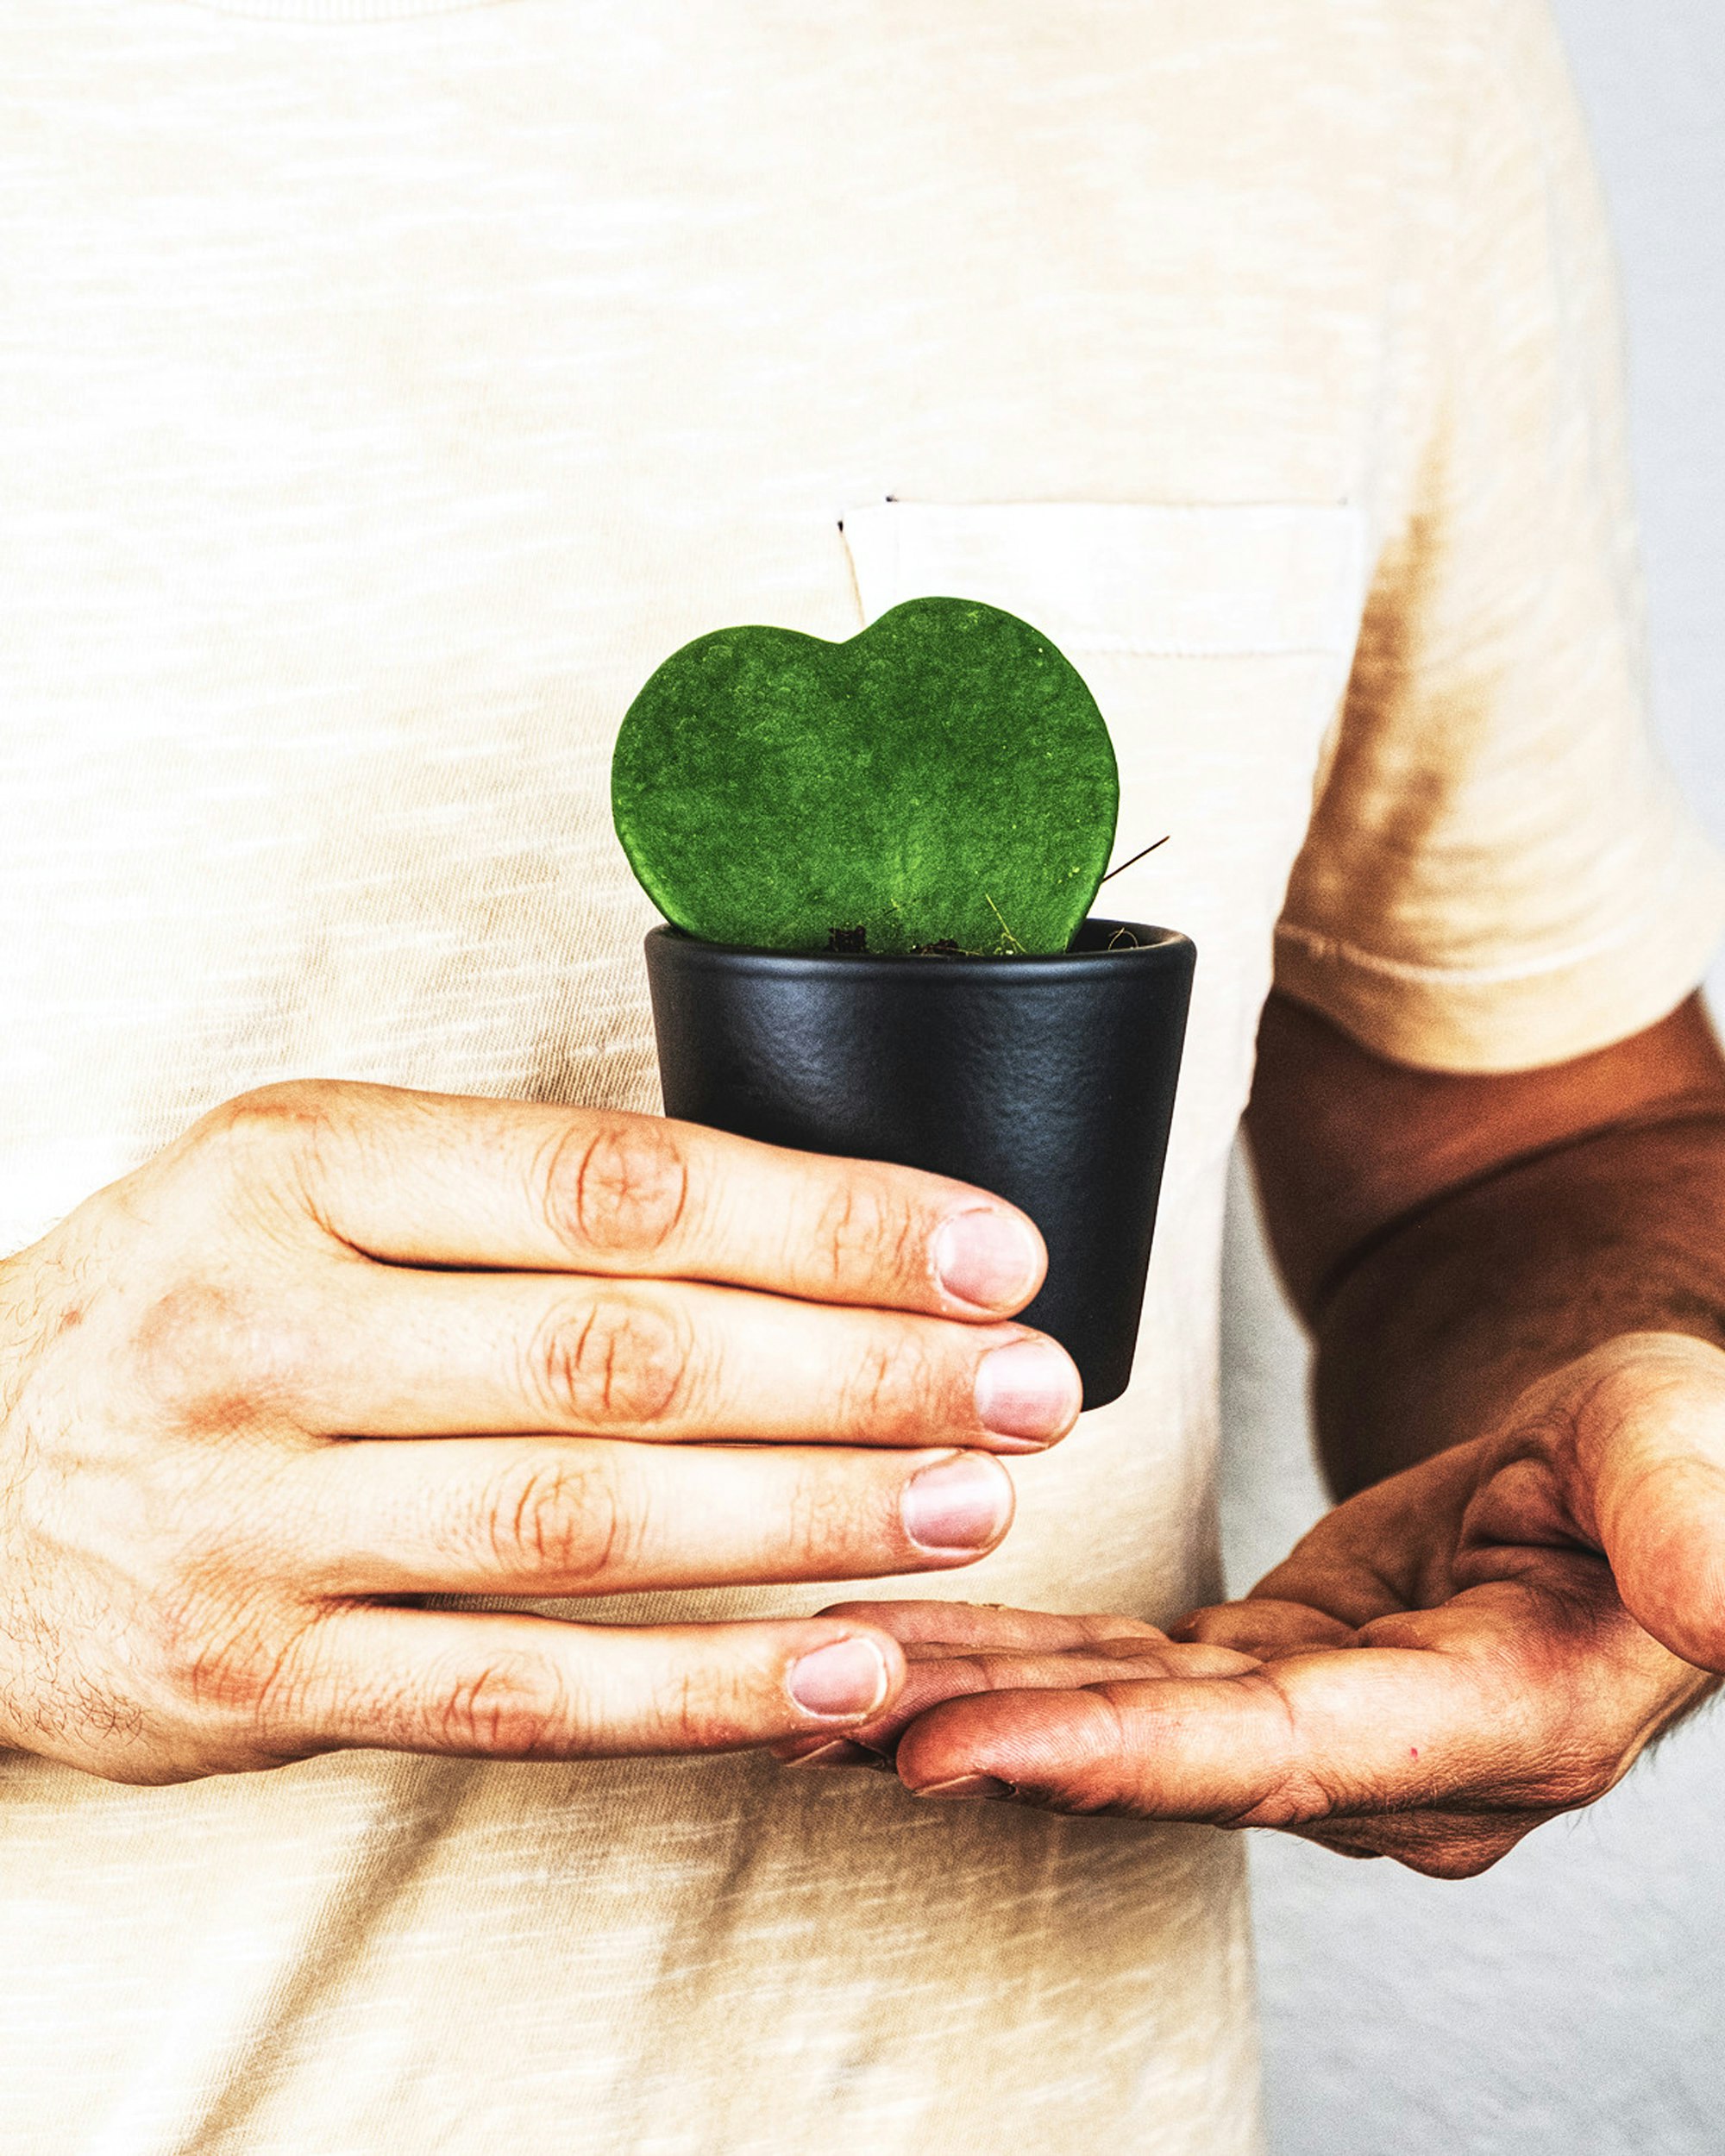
{"points": [[1048, 1080]]}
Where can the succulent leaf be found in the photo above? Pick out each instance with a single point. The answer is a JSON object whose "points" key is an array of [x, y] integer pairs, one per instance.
{"points": [[943, 778]]}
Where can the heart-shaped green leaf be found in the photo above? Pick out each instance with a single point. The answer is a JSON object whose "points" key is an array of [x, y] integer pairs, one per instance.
{"points": [[944, 778]]}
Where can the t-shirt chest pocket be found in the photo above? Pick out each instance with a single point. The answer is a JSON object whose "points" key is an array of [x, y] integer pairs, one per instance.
{"points": [[1217, 641]]}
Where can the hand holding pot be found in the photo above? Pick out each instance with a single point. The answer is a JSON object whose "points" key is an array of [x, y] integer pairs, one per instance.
{"points": [[342, 1347]]}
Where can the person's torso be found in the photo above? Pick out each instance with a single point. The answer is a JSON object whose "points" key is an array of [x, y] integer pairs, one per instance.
{"points": [[384, 401]]}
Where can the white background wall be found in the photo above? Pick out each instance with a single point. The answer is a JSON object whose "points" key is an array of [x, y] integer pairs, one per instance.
{"points": [[1571, 2002]]}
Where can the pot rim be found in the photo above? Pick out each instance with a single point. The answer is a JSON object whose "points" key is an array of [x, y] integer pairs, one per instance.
{"points": [[1151, 946]]}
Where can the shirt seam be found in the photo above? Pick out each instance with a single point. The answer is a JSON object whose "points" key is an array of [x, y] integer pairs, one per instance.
{"points": [[1337, 950]]}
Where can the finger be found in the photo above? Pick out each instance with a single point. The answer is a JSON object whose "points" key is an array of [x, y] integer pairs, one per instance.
{"points": [[1290, 1744], [492, 1685], [1266, 1629], [401, 1352], [434, 1179], [520, 1516], [1645, 1473], [955, 1648], [1360, 1562], [1072, 1753], [990, 1625], [934, 1678]]}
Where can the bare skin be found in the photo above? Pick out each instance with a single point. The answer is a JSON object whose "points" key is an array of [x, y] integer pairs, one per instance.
{"points": [[343, 1347], [1516, 1291]]}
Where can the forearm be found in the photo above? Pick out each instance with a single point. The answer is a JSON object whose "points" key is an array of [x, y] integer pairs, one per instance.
{"points": [[1433, 1325]]}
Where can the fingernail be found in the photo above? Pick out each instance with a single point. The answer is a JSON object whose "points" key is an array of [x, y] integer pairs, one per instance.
{"points": [[848, 1678], [1027, 1389], [991, 1259], [963, 1504], [966, 1785], [839, 1753]]}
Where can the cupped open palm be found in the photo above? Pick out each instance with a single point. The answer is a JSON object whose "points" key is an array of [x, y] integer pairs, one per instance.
{"points": [[1448, 1660]]}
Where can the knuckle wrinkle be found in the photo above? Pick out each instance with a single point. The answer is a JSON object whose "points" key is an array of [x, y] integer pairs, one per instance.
{"points": [[559, 1521], [861, 1240], [617, 1362], [619, 1190], [503, 1710]]}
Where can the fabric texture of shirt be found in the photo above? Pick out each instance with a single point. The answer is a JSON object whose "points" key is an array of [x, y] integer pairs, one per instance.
{"points": [[384, 392]]}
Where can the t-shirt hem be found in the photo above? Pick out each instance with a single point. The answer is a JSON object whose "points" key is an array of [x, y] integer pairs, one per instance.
{"points": [[1517, 1015]]}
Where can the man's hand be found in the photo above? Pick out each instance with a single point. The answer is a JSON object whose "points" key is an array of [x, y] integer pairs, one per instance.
{"points": [[1449, 1659], [342, 1348]]}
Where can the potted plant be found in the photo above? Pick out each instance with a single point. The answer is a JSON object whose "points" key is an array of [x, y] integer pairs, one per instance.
{"points": [[876, 860]]}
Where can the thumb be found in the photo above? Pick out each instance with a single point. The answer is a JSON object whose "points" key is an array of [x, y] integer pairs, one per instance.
{"points": [[1649, 1457]]}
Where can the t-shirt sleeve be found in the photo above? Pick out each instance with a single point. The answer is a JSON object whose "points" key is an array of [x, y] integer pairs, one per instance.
{"points": [[1500, 872]]}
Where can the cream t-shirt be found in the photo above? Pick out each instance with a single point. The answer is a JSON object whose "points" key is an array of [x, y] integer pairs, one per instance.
{"points": [[383, 391]]}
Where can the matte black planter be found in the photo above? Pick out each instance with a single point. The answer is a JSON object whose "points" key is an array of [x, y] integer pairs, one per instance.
{"points": [[1048, 1080]]}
